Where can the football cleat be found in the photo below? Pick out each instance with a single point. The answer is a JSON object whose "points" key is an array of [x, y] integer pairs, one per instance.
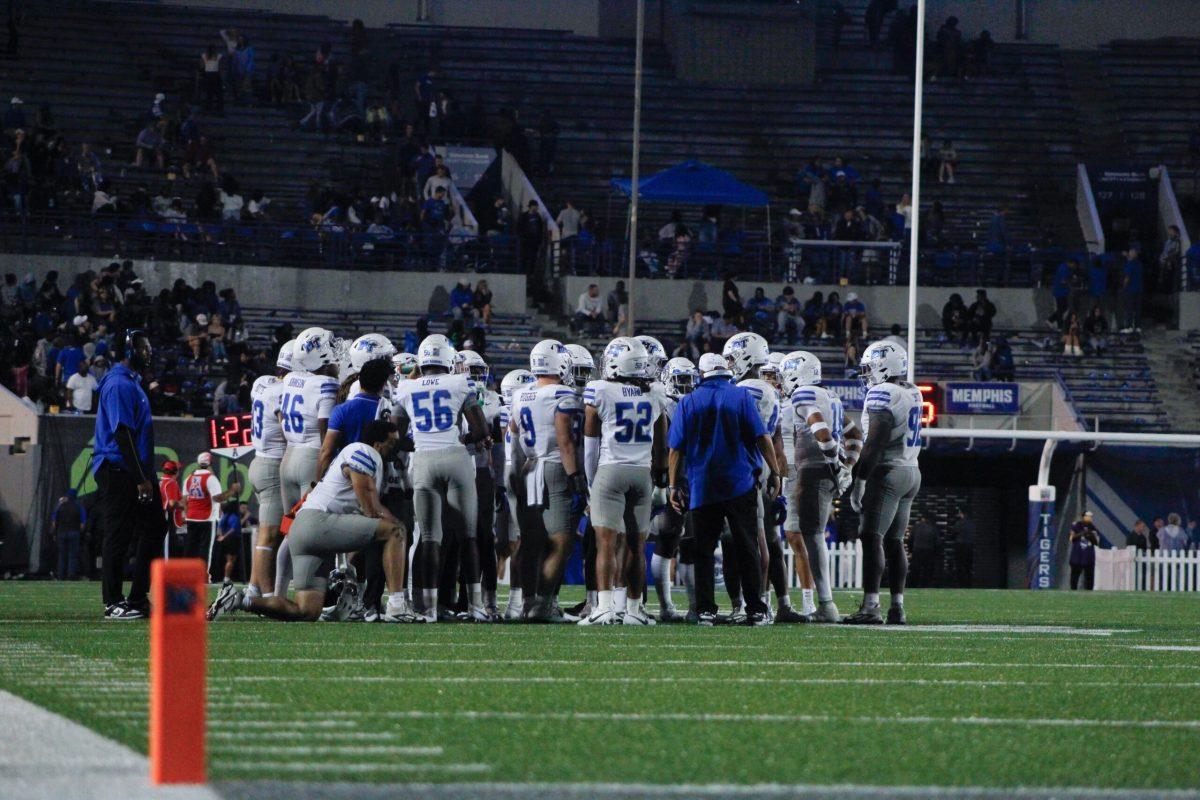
{"points": [[757, 619], [827, 613], [895, 616], [580, 609], [125, 611], [670, 614], [790, 616], [347, 602], [478, 614], [370, 615], [866, 615], [513, 611], [706, 619], [557, 614], [635, 614], [228, 601], [606, 617]]}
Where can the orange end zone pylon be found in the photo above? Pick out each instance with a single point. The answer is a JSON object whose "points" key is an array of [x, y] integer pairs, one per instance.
{"points": [[178, 653]]}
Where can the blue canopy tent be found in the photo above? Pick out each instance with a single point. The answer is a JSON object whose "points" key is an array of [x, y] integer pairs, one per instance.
{"points": [[696, 183]]}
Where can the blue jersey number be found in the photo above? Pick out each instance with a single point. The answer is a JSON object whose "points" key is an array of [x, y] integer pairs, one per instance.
{"points": [[838, 423], [914, 427], [633, 423], [292, 411], [256, 419], [437, 415], [527, 426]]}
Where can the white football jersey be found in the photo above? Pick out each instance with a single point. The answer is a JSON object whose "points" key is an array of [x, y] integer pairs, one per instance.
{"points": [[766, 400], [805, 401], [335, 492], [265, 431], [514, 455], [627, 417], [903, 401], [305, 398], [434, 405], [787, 429], [534, 411], [491, 405]]}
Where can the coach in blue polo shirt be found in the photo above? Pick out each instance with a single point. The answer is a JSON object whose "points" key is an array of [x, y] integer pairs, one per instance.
{"points": [[128, 506], [718, 436]]}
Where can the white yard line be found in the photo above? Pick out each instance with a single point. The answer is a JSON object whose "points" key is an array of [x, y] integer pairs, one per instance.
{"points": [[347, 766], [283, 748], [692, 662], [1173, 648]]}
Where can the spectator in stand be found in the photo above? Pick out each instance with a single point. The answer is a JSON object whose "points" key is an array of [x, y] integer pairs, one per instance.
{"points": [[666, 234], [810, 186], [1154, 539], [1084, 541], [589, 311], [1072, 336], [904, 211], [531, 233], [568, 229], [1131, 293], [1004, 366], [68, 359], [814, 316], [462, 302], [196, 336], [876, 12], [1095, 327], [81, 387], [199, 156], [850, 359], [315, 88], [980, 316], [481, 299], [981, 361], [788, 321], [924, 552], [1097, 284], [18, 172], [731, 298], [1172, 536], [1169, 261], [947, 161], [1060, 289], [617, 308], [894, 336], [1139, 537], [854, 315], [842, 196], [151, 144], [695, 336], [232, 201], [425, 99], [760, 312], [67, 523], [229, 540], [950, 47], [981, 53], [211, 91], [440, 177], [998, 242], [833, 317], [724, 327], [14, 116], [1193, 533]]}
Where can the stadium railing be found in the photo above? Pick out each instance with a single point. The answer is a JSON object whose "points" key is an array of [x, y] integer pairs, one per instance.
{"points": [[271, 243]]}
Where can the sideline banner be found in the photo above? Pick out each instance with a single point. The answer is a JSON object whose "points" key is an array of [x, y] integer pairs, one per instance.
{"points": [[981, 398], [1040, 552]]}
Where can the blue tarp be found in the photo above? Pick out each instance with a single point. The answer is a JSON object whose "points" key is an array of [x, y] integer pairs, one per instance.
{"points": [[693, 183]]}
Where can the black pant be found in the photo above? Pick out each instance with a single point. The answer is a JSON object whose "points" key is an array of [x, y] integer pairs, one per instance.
{"points": [[924, 567], [122, 522], [707, 523], [1088, 571], [195, 541]]}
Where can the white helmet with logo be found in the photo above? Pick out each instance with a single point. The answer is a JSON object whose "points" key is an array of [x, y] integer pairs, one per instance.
{"points": [[713, 364], [369, 347], [882, 361], [314, 348], [472, 363], [435, 351], [514, 381], [656, 353], [625, 357], [770, 370], [550, 359], [800, 368], [583, 366], [284, 359], [404, 363], [679, 376], [744, 352]]}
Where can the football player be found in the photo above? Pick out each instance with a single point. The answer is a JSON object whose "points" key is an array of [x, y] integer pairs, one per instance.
{"points": [[819, 427], [747, 353], [343, 513], [625, 435], [443, 471], [267, 436], [367, 347], [679, 377], [510, 497], [544, 419], [887, 478], [782, 507]]}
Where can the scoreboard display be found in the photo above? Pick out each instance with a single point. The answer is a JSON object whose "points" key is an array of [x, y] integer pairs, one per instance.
{"points": [[231, 431]]}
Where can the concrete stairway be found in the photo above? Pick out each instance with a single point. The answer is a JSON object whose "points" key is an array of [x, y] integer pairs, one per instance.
{"points": [[1167, 356]]}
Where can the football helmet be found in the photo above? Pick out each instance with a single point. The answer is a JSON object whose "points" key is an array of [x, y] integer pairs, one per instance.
{"points": [[770, 370], [583, 366], [472, 363], [369, 347], [800, 368], [435, 351], [550, 359], [284, 359], [314, 348], [656, 353], [679, 376], [713, 364], [404, 363], [744, 352], [882, 361], [513, 381], [625, 357]]}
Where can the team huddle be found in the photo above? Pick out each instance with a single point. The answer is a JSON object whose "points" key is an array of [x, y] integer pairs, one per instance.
{"points": [[381, 463]]}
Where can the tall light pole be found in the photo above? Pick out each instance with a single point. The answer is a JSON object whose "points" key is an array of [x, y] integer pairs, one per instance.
{"points": [[637, 152], [915, 192]]}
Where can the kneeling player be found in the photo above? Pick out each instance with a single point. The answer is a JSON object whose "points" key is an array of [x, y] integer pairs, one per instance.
{"points": [[343, 513]]}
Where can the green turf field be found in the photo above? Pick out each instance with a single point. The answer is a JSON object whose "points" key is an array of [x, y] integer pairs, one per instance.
{"points": [[986, 688]]}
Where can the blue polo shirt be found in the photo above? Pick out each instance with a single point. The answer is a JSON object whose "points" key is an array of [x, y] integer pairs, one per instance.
{"points": [[123, 402], [352, 416], [1133, 271], [715, 427]]}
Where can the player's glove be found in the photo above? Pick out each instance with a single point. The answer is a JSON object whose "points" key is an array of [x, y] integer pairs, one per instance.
{"points": [[857, 495], [579, 492], [845, 477], [660, 479], [779, 510]]}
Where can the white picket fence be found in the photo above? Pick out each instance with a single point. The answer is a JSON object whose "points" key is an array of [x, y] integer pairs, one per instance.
{"points": [[845, 565], [1173, 571]]}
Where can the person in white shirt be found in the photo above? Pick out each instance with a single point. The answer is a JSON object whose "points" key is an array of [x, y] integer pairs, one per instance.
{"points": [[80, 389], [589, 312], [342, 514]]}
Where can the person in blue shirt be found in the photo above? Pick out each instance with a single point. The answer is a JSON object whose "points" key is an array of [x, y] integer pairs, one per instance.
{"points": [[462, 301], [349, 419], [67, 364], [1060, 289], [67, 522], [761, 311], [128, 506], [229, 539], [717, 437], [1131, 292]]}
